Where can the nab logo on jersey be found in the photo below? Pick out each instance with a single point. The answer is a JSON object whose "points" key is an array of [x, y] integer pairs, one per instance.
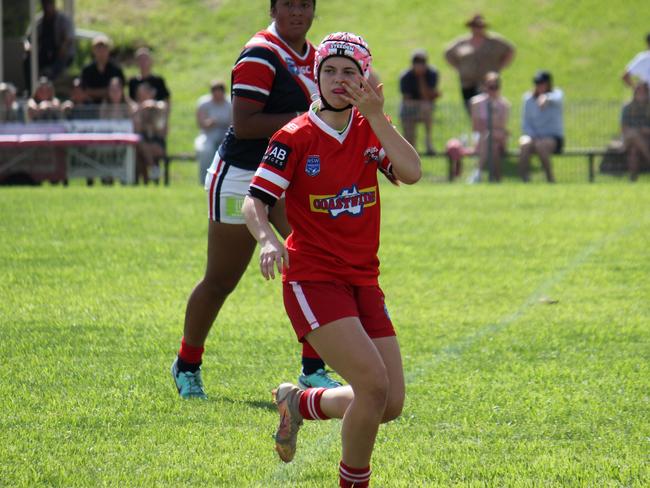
{"points": [[277, 155]]}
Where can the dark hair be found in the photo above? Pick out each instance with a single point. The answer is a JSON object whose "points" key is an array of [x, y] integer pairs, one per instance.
{"points": [[419, 56], [543, 76], [273, 2]]}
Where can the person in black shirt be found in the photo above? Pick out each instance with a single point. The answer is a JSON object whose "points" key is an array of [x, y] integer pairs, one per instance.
{"points": [[418, 86], [56, 47], [96, 76], [145, 62]]}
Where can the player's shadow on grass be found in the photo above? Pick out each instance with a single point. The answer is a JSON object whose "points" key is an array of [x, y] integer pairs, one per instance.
{"points": [[260, 404]]}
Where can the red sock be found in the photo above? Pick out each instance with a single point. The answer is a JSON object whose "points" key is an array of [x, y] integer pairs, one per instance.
{"points": [[308, 351], [190, 354], [353, 477], [309, 404]]}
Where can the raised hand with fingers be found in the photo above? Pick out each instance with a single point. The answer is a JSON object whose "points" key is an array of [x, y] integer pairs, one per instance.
{"points": [[361, 94]]}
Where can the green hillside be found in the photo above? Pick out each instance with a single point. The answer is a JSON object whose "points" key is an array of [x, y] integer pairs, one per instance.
{"points": [[586, 44]]}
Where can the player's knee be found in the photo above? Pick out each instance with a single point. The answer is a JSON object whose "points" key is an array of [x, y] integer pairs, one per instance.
{"points": [[219, 287], [393, 409], [374, 391]]}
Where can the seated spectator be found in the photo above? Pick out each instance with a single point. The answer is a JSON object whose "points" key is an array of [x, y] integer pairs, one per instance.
{"points": [[639, 67], [145, 63], [542, 125], [418, 86], [79, 106], [635, 125], [56, 47], [96, 76], [149, 120], [44, 105], [10, 110], [116, 106], [490, 112], [456, 149], [213, 116]]}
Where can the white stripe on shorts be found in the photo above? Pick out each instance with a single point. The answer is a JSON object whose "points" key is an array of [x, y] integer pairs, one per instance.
{"points": [[304, 306]]}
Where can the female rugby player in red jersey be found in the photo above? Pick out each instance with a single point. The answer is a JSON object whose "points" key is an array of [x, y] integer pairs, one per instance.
{"points": [[272, 81], [326, 162]]}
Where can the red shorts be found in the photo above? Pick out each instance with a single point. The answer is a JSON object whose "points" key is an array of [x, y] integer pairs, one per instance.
{"points": [[312, 304]]}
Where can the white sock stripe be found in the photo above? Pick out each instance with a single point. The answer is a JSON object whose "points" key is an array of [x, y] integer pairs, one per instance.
{"points": [[311, 404], [345, 472], [304, 306], [354, 478]]}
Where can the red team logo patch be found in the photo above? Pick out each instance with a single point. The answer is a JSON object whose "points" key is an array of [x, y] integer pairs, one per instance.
{"points": [[350, 201], [371, 155]]}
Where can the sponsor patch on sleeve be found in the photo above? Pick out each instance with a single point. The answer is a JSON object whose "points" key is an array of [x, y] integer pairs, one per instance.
{"points": [[277, 155]]}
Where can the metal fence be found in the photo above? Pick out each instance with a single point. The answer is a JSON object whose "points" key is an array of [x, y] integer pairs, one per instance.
{"points": [[589, 125]]}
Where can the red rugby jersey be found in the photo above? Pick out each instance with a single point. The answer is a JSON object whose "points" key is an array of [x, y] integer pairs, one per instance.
{"points": [[332, 197]]}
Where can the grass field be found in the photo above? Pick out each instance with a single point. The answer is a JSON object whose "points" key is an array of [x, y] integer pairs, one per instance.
{"points": [[586, 45], [522, 312]]}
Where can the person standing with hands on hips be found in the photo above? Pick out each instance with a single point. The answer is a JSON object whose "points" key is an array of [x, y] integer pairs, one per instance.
{"points": [[475, 55], [272, 81], [326, 161]]}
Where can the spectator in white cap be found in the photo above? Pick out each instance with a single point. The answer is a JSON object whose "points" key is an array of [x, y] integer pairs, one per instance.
{"points": [[639, 67], [96, 76]]}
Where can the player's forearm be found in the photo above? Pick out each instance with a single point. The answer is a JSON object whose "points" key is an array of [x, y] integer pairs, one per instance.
{"points": [[257, 220], [404, 158]]}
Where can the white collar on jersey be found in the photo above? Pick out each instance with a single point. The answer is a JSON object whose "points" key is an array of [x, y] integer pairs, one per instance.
{"points": [[272, 29], [322, 125]]}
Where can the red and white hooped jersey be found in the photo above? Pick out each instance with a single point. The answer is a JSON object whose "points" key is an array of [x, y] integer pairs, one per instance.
{"points": [[268, 72], [332, 197]]}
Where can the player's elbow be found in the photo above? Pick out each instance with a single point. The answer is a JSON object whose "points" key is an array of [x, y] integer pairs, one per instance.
{"points": [[411, 174], [241, 130]]}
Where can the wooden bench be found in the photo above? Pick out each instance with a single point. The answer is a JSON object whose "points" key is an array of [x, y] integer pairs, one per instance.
{"points": [[590, 154]]}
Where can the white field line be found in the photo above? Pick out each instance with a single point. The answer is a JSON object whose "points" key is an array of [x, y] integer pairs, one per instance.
{"points": [[285, 473], [416, 368]]}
